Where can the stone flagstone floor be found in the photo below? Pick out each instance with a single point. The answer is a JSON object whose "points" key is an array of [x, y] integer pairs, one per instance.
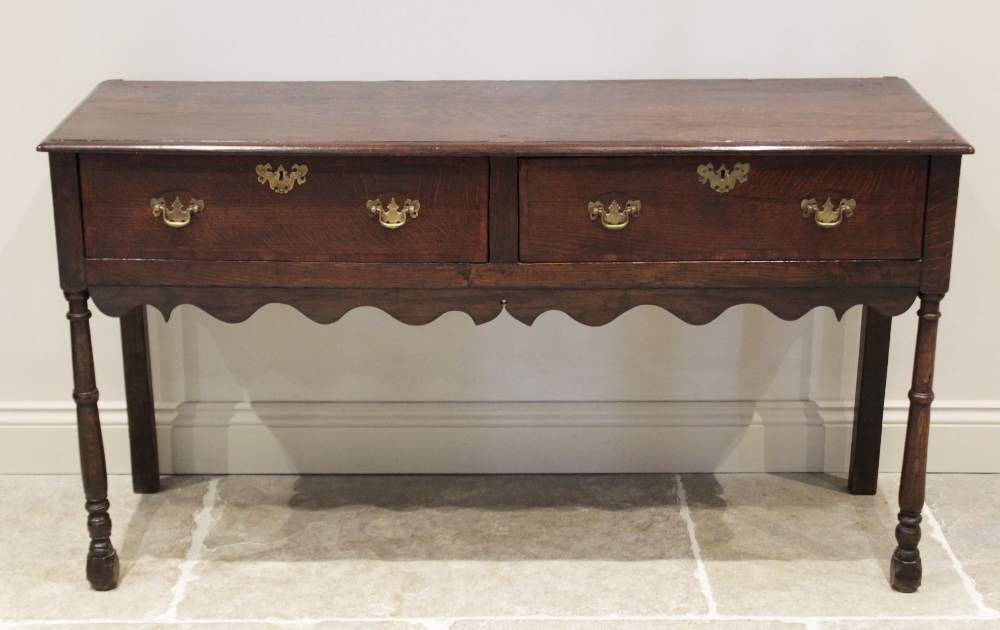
{"points": [[504, 552]]}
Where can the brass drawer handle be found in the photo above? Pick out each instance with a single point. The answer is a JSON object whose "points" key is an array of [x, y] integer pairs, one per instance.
{"points": [[614, 218], [828, 216], [282, 181], [722, 179], [392, 216], [177, 215]]}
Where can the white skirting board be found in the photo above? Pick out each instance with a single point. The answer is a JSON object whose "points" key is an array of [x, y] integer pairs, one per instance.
{"points": [[552, 437]]}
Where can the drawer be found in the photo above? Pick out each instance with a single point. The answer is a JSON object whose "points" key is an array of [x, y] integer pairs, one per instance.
{"points": [[327, 215], [686, 215]]}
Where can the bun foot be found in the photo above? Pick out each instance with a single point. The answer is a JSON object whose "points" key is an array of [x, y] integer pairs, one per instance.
{"points": [[102, 571], [904, 575]]}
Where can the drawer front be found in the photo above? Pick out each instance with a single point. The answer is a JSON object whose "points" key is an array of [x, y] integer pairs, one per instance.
{"points": [[327, 215], [680, 217]]}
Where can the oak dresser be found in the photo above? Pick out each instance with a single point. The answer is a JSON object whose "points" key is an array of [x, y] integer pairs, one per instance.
{"points": [[425, 197]]}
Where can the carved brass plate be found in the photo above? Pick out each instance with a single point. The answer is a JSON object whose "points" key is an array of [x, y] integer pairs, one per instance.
{"points": [[177, 214], [722, 179], [828, 216], [281, 181], [614, 217], [392, 216]]}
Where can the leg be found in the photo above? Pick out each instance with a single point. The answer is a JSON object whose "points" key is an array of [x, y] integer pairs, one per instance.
{"points": [[905, 570], [102, 560], [869, 401], [139, 395]]}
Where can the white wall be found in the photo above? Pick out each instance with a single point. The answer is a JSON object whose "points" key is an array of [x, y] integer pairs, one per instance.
{"points": [[53, 53]]}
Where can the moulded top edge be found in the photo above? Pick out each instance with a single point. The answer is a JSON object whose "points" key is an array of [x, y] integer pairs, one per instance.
{"points": [[519, 149]]}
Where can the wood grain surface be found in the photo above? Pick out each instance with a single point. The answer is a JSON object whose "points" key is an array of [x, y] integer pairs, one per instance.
{"points": [[509, 117], [503, 209], [203, 273], [65, 178], [684, 219], [939, 226]]}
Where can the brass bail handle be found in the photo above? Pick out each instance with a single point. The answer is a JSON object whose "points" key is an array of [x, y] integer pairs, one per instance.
{"points": [[392, 216], [176, 215], [614, 217], [829, 215]]}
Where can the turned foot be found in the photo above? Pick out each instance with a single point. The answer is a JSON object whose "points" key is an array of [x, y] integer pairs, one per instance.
{"points": [[102, 570], [904, 576], [102, 559], [905, 569]]}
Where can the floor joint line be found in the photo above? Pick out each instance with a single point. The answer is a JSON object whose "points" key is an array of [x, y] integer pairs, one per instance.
{"points": [[203, 522], [700, 573], [937, 533]]}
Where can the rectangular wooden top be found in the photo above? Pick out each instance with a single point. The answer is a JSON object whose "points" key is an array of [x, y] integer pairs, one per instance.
{"points": [[509, 117]]}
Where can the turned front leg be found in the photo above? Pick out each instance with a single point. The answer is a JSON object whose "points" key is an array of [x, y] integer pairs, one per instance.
{"points": [[102, 559], [906, 569]]}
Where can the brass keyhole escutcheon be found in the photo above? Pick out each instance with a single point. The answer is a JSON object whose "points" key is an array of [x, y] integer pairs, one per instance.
{"points": [[722, 179], [282, 181], [176, 215]]}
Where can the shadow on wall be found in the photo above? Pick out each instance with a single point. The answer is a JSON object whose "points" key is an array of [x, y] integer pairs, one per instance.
{"points": [[644, 355]]}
